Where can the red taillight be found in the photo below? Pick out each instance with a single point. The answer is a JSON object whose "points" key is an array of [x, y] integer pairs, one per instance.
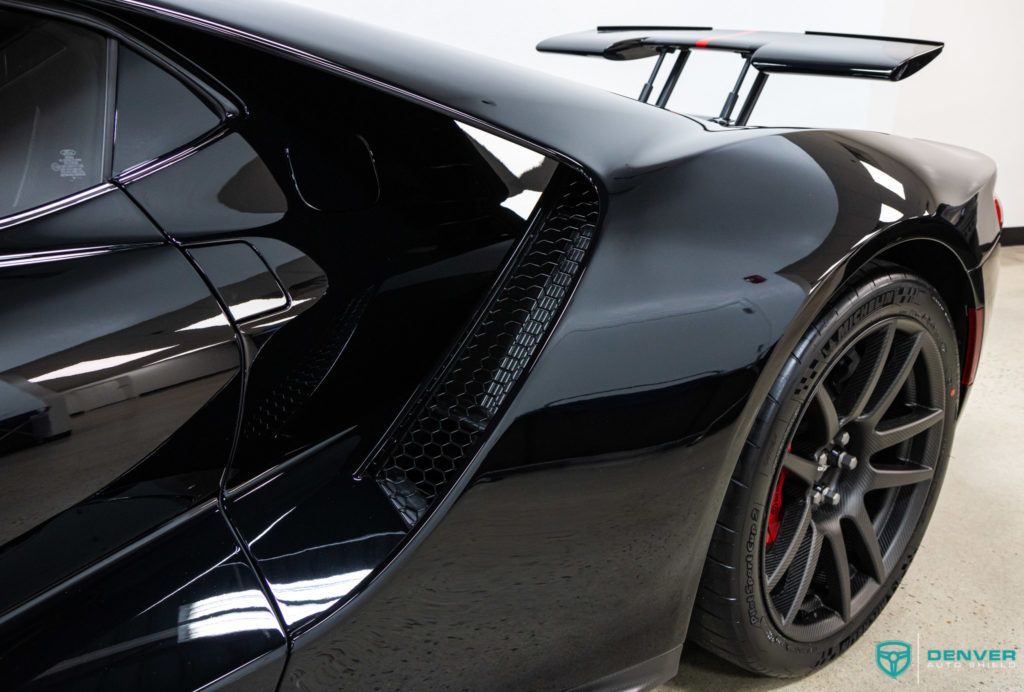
{"points": [[975, 327], [999, 212]]}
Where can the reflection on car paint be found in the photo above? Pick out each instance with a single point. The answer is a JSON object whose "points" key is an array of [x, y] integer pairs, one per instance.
{"points": [[179, 625]]}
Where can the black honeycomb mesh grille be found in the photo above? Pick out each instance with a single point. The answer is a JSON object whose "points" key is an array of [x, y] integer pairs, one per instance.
{"points": [[444, 428], [276, 407]]}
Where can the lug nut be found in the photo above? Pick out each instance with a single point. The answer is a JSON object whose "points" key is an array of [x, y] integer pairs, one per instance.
{"points": [[847, 461], [843, 460], [843, 439], [822, 462], [831, 495], [817, 497]]}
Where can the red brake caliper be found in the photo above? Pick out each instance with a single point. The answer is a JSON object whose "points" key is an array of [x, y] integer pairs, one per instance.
{"points": [[775, 509]]}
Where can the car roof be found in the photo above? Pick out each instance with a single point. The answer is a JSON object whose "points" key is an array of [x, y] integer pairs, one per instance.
{"points": [[597, 129]]}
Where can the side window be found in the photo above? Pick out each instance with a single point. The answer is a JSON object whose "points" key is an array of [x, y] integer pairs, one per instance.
{"points": [[156, 113], [53, 110]]}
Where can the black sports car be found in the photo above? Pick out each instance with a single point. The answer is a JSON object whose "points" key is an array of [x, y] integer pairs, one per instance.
{"points": [[332, 358]]}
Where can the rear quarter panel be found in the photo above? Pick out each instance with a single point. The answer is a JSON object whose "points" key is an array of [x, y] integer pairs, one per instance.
{"points": [[573, 546]]}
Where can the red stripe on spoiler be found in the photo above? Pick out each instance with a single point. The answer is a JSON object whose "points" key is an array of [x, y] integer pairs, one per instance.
{"points": [[703, 43]]}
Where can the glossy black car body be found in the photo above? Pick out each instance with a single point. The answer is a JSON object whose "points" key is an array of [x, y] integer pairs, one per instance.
{"points": [[293, 396]]}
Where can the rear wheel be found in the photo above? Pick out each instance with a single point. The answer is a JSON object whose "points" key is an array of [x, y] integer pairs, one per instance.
{"points": [[837, 482]]}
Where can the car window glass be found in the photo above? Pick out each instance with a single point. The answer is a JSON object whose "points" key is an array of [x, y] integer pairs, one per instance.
{"points": [[156, 113], [53, 103]]}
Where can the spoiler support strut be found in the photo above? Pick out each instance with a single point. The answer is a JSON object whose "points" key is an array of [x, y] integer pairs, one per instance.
{"points": [[755, 93], [673, 77], [645, 92], [734, 95]]}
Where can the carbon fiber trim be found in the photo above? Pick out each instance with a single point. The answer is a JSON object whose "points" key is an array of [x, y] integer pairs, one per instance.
{"points": [[446, 425]]}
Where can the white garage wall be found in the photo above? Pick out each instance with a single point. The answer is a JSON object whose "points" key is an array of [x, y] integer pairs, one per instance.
{"points": [[971, 95]]}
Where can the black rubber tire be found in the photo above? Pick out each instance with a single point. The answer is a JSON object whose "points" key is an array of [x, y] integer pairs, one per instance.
{"points": [[729, 617]]}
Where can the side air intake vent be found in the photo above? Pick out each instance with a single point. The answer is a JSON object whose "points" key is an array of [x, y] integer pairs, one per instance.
{"points": [[444, 427]]}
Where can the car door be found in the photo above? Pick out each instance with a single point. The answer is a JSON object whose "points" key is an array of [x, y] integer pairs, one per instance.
{"points": [[120, 382]]}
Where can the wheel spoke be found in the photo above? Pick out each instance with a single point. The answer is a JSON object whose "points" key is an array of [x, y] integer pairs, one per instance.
{"points": [[869, 549], [905, 427], [802, 524], [869, 371], [839, 596], [895, 477], [805, 469], [828, 412], [806, 567], [890, 385]]}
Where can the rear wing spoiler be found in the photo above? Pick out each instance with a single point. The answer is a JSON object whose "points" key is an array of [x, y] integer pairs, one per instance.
{"points": [[810, 53]]}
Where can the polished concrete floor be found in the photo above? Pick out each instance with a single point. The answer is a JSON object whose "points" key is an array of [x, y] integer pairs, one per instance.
{"points": [[966, 586]]}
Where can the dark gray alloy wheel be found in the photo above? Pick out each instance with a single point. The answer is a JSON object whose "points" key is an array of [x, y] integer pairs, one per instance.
{"points": [[842, 523], [842, 469]]}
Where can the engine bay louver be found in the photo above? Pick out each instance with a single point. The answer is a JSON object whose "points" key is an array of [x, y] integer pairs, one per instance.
{"points": [[445, 425]]}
